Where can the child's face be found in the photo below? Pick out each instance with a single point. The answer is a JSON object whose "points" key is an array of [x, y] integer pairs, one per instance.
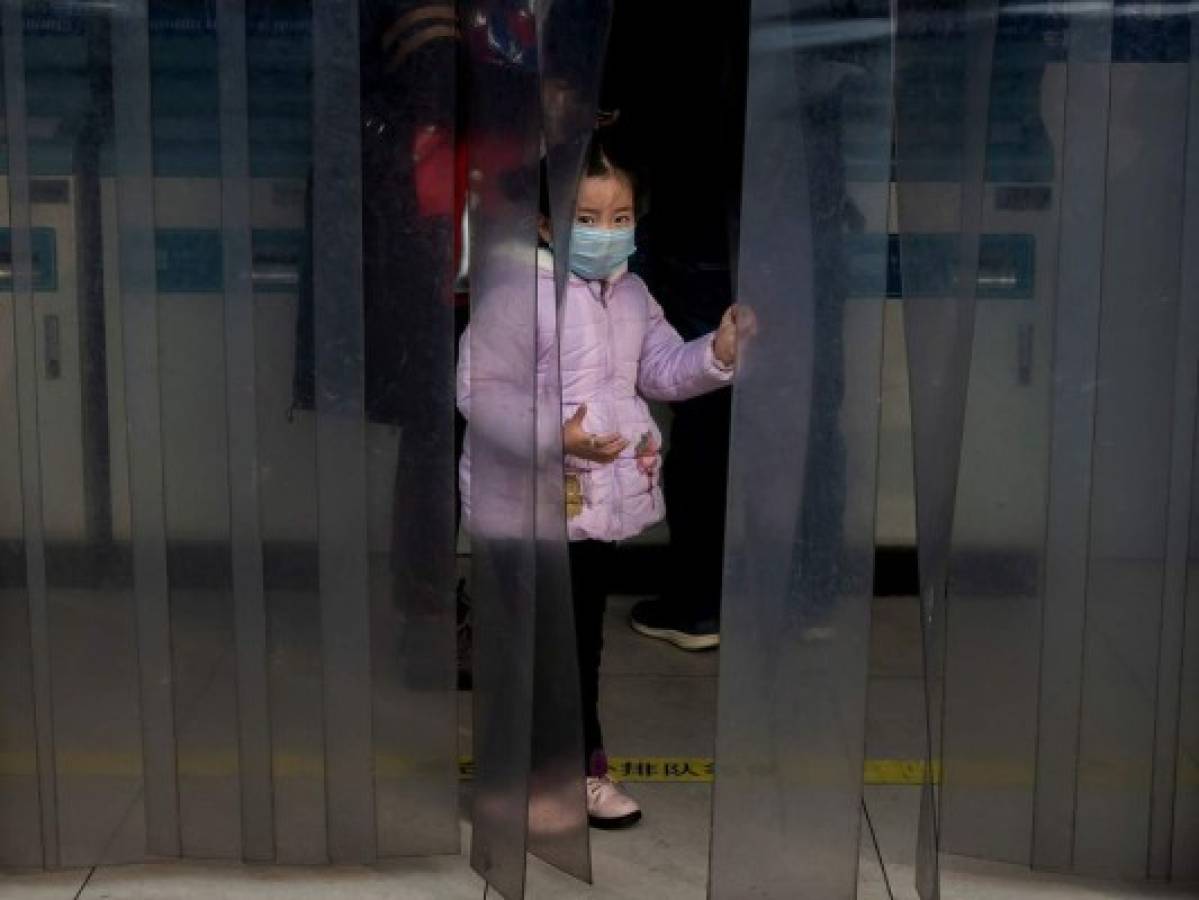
{"points": [[605, 202]]}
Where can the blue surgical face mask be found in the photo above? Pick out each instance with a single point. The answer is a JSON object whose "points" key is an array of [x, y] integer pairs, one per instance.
{"points": [[595, 253]]}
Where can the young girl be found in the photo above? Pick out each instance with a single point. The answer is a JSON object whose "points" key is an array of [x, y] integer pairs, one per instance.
{"points": [[616, 351]]}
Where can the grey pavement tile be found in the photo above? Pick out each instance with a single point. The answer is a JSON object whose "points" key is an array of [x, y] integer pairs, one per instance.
{"points": [[895, 719], [430, 878], [658, 716], [895, 811], [895, 649], [665, 857], [659, 701], [628, 653], [60, 885]]}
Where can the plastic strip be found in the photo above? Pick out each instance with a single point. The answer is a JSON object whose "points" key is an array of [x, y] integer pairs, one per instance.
{"points": [[139, 310], [798, 557], [96, 709], [1184, 827], [279, 48], [995, 590], [341, 432], [498, 369], [195, 451], [572, 40], [938, 323], [409, 102], [1075, 369], [1130, 489], [241, 400], [33, 637], [1179, 506]]}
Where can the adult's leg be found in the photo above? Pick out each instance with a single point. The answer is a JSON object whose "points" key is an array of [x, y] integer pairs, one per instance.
{"points": [[694, 478], [694, 481], [819, 566]]}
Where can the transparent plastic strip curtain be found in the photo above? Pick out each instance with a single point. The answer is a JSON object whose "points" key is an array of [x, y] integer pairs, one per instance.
{"points": [[1068, 734], [217, 649], [949, 47], [1184, 861], [85, 436], [241, 400], [1137, 458], [410, 94], [409, 90], [1173, 845], [534, 74], [799, 551], [280, 58], [194, 388], [28, 734], [1075, 363], [135, 217], [341, 431], [499, 358], [1040, 245], [572, 40]]}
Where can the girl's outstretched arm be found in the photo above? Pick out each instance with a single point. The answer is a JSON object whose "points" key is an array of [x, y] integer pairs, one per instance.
{"points": [[672, 369]]}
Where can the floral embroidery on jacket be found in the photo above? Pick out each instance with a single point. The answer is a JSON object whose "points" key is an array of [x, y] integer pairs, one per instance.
{"points": [[647, 456], [574, 496]]}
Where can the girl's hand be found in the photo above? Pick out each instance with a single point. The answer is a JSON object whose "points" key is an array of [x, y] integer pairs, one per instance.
{"points": [[737, 322], [600, 448]]}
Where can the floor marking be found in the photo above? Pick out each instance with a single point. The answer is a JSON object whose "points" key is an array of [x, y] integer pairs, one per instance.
{"points": [[634, 769], [223, 764]]}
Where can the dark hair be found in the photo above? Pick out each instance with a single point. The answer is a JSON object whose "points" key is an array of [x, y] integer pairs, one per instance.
{"points": [[609, 153]]}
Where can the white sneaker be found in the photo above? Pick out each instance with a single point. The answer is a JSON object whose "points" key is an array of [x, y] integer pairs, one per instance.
{"points": [[608, 806]]}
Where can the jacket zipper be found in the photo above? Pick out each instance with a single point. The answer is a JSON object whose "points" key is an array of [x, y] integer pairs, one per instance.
{"points": [[617, 492]]}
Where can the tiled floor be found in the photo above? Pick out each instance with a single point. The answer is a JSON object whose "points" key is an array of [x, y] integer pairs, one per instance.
{"points": [[647, 866], [656, 701]]}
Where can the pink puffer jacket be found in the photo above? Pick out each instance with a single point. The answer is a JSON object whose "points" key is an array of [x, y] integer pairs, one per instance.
{"points": [[617, 351]]}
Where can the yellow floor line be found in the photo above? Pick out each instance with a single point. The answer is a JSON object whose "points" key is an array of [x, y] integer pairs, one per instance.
{"points": [[642, 769], [223, 764]]}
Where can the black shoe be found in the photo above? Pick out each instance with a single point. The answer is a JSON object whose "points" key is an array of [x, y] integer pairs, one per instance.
{"points": [[661, 620]]}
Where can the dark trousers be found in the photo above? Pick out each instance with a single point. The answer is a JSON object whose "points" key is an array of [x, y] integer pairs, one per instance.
{"points": [[591, 564], [694, 296], [694, 485], [818, 569]]}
